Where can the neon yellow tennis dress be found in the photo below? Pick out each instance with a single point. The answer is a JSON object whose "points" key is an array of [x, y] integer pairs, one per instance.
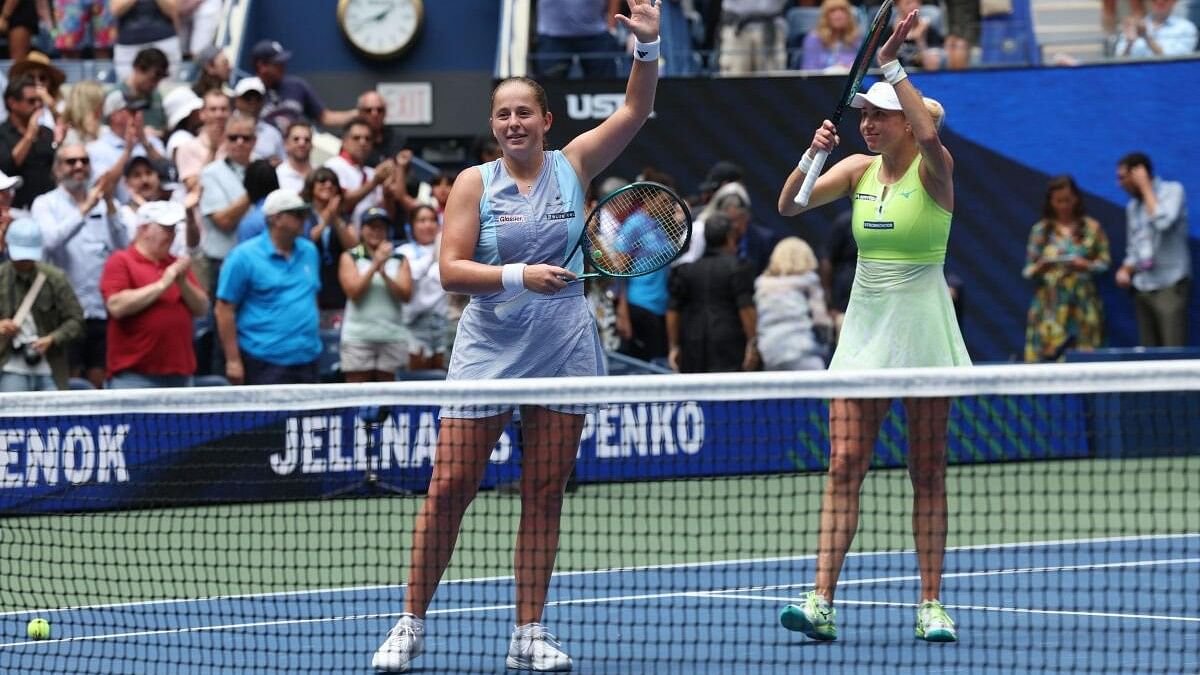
{"points": [[900, 314]]}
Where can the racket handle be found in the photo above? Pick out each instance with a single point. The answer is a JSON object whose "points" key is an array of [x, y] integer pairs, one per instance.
{"points": [[513, 305], [810, 179]]}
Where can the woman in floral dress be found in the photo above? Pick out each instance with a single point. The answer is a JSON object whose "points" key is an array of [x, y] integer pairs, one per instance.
{"points": [[1066, 247]]}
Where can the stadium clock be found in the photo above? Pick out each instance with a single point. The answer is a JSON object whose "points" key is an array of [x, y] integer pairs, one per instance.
{"points": [[380, 29]]}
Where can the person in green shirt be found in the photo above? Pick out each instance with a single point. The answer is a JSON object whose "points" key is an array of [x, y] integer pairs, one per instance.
{"points": [[900, 315]]}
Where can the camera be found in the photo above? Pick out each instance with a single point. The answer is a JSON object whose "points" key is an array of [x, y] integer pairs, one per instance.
{"points": [[32, 356]]}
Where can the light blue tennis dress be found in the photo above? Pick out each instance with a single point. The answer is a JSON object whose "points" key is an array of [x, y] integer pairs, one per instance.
{"points": [[553, 336]]}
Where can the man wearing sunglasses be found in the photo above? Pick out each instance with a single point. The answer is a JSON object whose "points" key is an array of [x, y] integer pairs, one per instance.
{"points": [[80, 228], [223, 200], [26, 147], [386, 141]]}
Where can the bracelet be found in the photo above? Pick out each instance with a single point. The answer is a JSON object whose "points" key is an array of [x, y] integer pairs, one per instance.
{"points": [[646, 51], [893, 72], [512, 276], [805, 162]]}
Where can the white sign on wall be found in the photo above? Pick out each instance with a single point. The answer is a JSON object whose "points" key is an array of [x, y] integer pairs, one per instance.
{"points": [[407, 102]]}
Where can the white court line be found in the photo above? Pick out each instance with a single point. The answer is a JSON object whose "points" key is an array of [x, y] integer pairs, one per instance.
{"points": [[716, 594], [985, 608], [352, 617], [985, 573], [610, 570]]}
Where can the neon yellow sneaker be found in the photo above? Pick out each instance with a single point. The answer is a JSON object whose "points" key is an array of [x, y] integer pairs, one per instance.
{"points": [[934, 624], [814, 618]]}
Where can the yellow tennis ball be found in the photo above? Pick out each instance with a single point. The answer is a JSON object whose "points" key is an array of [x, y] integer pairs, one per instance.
{"points": [[38, 629], [597, 254]]}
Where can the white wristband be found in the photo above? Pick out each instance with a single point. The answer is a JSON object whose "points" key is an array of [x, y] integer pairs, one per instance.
{"points": [[512, 276], [893, 72], [805, 163], [646, 51]]}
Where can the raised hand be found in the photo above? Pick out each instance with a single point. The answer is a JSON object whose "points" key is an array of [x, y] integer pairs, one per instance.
{"points": [[643, 19], [890, 49], [826, 137]]}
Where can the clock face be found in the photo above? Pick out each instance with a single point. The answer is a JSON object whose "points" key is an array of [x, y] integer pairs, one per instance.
{"points": [[380, 28]]}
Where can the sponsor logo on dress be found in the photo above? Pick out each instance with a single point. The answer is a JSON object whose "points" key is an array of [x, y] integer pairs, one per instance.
{"points": [[560, 216], [907, 194], [517, 218], [879, 225], [864, 196]]}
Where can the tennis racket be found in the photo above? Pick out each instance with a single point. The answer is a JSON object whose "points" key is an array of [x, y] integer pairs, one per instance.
{"points": [[862, 63], [635, 230]]}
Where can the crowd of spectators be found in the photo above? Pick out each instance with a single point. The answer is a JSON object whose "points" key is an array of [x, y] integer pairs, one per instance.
{"points": [[161, 232], [167, 230], [741, 37]]}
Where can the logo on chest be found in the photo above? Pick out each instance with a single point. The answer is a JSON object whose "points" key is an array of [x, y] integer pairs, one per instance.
{"points": [[879, 225], [864, 197], [560, 216], [511, 218]]}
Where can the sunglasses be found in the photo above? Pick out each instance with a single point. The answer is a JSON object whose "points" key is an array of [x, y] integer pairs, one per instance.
{"points": [[380, 109], [239, 138], [34, 100], [72, 161]]}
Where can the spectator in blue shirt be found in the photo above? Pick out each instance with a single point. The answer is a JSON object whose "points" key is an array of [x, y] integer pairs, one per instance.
{"points": [[267, 300], [290, 98]]}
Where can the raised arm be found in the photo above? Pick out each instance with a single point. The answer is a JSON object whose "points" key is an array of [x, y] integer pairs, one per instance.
{"points": [[594, 150], [937, 167], [831, 185]]}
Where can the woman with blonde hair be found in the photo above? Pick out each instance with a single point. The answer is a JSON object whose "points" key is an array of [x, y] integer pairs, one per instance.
{"points": [[832, 44], [82, 114], [900, 316], [793, 325]]}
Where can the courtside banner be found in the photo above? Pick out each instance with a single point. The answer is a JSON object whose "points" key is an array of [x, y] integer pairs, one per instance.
{"points": [[89, 463]]}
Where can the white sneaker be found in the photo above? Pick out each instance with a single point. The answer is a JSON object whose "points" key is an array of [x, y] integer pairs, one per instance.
{"points": [[534, 648], [403, 644]]}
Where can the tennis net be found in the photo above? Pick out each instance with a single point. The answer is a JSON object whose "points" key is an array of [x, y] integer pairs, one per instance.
{"points": [[268, 529]]}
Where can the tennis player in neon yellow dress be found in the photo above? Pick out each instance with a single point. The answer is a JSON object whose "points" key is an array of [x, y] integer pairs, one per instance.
{"points": [[900, 316]]}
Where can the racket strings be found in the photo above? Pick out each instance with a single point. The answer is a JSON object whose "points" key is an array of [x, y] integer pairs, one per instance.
{"points": [[636, 231]]}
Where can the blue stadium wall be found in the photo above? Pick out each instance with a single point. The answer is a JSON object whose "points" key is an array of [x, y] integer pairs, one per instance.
{"points": [[1010, 130]]}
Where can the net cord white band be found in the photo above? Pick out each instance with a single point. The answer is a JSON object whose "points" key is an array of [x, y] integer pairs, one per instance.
{"points": [[1116, 377]]}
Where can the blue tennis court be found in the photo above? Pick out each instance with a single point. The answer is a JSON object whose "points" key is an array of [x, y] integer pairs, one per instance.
{"points": [[1094, 605]]}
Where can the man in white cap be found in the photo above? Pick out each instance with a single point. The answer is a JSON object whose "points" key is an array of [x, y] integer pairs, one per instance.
{"points": [[152, 298], [123, 137], [267, 300], [82, 227], [33, 335], [248, 98]]}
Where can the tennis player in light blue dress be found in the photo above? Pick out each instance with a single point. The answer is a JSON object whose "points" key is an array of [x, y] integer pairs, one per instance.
{"points": [[508, 226]]}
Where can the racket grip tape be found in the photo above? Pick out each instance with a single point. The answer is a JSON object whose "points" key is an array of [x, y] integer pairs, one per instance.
{"points": [[810, 178]]}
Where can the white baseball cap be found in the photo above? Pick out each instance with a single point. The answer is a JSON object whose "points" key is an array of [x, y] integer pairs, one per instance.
{"points": [[282, 201], [249, 84], [8, 182], [167, 214], [881, 95], [180, 103], [24, 239]]}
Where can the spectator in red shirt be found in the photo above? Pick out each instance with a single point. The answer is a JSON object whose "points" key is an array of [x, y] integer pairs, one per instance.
{"points": [[151, 297]]}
